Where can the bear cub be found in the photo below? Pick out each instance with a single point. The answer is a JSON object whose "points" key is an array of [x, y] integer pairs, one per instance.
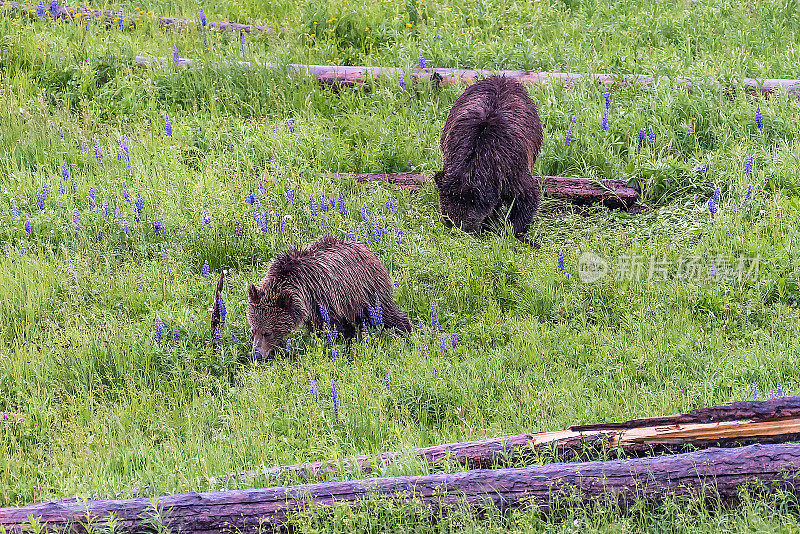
{"points": [[331, 280], [489, 144]]}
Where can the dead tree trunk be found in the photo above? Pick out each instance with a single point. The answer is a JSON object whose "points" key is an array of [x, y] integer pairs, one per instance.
{"points": [[712, 472], [612, 192]]}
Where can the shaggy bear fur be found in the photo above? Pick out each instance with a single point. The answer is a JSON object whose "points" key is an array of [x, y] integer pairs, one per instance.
{"points": [[343, 277], [489, 145]]}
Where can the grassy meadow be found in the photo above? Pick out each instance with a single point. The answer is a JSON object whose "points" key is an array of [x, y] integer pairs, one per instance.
{"points": [[120, 183]]}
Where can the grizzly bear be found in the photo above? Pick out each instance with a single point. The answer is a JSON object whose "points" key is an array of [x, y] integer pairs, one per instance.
{"points": [[331, 283], [489, 145]]}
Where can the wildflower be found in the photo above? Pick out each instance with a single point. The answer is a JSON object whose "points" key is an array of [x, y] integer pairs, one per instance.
{"points": [[651, 134], [391, 204], [159, 329], [61, 187], [40, 196], [435, 374], [712, 207], [206, 272], [64, 171], [561, 261], [423, 348], [14, 210], [175, 57], [126, 193], [241, 42], [72, 270], [323, 203], [769, 177], [41, 11], [5, 251], [22, 249], [284, 225], [702, 168], [434, 317], [365, 213], [175, 335], [331, 336], [436, 37], [54, 9], [748, 165], [386, 381], [444, 343], [223, 311], [27, 225], [453, 339], [689, 131], [85, 147], [289, 194], [217, 337], [121, 20], [755, 392], [158, 225], [230, 144], [290, 124], [314, 210], [605, 120], [126, 149], [203, 19], [138, 206], [237, 229], [335, 395], [568, 137], [125, 226], [747, 195], [168, 126], [76, 220], [607, 96], [396, 282], [105, 209], [401, 80], [641, 139], [206, 219], [314, 391], [376, 313], [288, 345], [342, 206], [421, 60], [326, 319], [399, 239], [759, 120]]}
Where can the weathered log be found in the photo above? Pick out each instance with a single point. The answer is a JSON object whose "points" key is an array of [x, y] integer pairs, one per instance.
{"points": [[111, 18], [714, 473], [341, 75], [739, 423], [611, 192]]}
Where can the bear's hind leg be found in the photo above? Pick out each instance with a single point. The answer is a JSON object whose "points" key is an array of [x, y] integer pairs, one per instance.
{"points": [[525, 205], [394, 318]]}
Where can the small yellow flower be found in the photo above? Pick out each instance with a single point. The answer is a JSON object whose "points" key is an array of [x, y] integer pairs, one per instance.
{"points": [[408, 24]]}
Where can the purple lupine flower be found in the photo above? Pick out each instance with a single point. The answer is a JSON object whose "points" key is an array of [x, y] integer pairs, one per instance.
{"points": [[126, 193], [138, 206], [396, 282], [607, 96], [716, 194], [251, 198], [642, 133], [241, 42], [759, 120], [28, 225], [605, 120], [40, 196], [72, 270], [712, 207], [288, 345], [689, 131], [323, 202], [331, 335], [175, 335], [561, 261], [121, 20], [126, 150], [98, 154], [434, 317], [651, 134], [401, 80], [158, 225], [365, 213], [568, 137], [335, 395], [399, 239], [54, 9], [423, 348], [435, 374], [314, 391], [284, 226], [159, 329], [206, 271], [769, 177], [206, 219], [41, 11], [85, 147], [574, 119], [436, 37], [92, 203], [290, 125], [342, 206], [314, 210], [168, 126], [454, 339], [217, 337], [445, 342], [230, 144], [99, 235], [64, 171], [105, 209], [755, 392], [386, 381], [22, 249], [14, 210], [702, 168], [748, 165], [203, 19], [421, 60], [326, 319], [61, 187], [289, 194], [76, 220], [237, 229], [747, 195], [5, 251], [125, 226], [175, 57]]}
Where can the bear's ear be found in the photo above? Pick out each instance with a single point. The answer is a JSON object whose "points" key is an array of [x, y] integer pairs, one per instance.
{"points": [[255, 294]]}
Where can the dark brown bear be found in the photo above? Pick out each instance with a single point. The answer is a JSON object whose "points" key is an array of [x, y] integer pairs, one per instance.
{"points": [[489, 145], [341, 278]]}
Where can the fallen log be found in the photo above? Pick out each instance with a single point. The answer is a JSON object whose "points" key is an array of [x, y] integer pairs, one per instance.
{"points": [[713, 473], [739, 423], [611, 192], [111, 17], [341, 75]]}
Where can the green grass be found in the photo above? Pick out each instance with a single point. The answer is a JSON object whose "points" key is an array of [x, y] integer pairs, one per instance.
{"points": [[96, 406]]}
